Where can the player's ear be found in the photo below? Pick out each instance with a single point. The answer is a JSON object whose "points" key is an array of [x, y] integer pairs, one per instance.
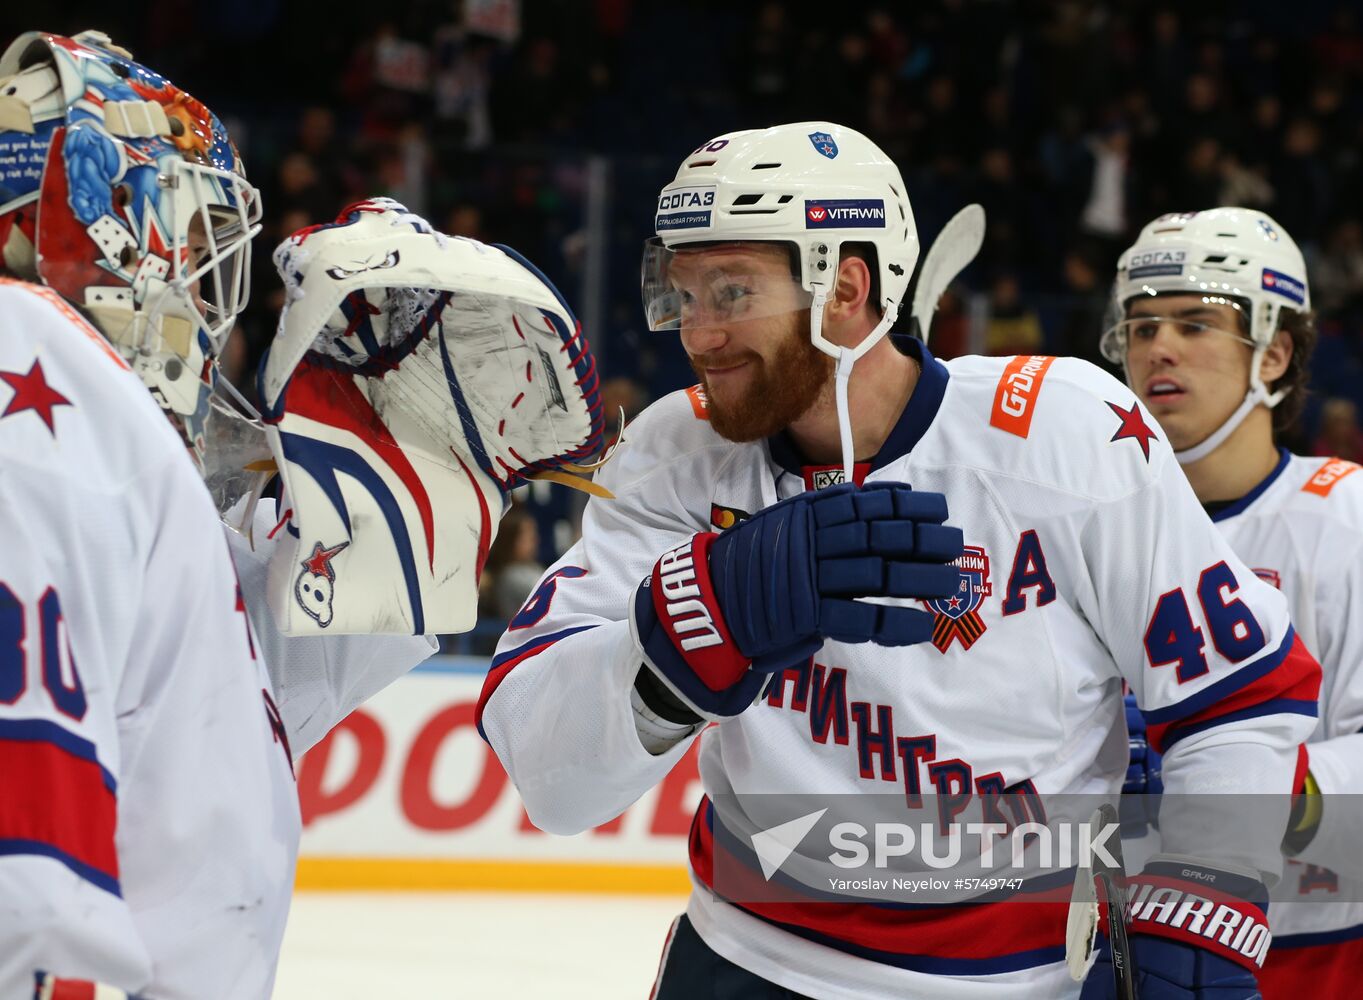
{"points": [[1276, 358], [852, 289]]}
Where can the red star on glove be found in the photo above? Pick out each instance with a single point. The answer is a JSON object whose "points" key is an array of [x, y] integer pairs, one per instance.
{"points": [[1134, 427], [31, 392], [319, 562]]}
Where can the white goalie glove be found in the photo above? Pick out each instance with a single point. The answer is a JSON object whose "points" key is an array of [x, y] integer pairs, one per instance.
{"points": [[414, 379]]}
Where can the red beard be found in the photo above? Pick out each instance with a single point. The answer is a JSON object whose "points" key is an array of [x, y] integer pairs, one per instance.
{"points": [[780, 390]]}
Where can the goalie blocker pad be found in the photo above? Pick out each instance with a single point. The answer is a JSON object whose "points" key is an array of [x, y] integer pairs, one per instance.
{"points": [[415, 378]]}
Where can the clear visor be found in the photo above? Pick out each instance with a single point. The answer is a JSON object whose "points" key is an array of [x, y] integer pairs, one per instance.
{"points": [[718, 285], [1124, 333]]}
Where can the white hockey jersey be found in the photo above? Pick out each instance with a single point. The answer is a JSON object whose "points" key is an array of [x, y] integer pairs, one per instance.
{"points": [[316, 680], [1088, 562], [148, 816], [1301, 529]]}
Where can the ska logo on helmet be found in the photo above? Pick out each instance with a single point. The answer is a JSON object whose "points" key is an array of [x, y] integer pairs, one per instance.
{"points": [[372, 263], [1267, 229], [824, 143], [314, 587]]}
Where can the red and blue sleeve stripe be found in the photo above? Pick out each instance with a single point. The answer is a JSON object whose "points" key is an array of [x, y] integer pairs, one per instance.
{"points": [[59, 801], [1328, 960], [504, 663], [1285, 681]]}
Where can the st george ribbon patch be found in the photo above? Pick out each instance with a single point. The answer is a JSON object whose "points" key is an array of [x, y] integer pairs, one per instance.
{"points": [[958, 616]]}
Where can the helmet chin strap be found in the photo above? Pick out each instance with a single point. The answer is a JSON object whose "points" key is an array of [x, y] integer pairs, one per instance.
{"points": [[1258, 393], [842, 374]]}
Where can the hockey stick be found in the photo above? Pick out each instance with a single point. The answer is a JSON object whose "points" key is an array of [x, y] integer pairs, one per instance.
{"points": [[955, 247], [1081, 926]]}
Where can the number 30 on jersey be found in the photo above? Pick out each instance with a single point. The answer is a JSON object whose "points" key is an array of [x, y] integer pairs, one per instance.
{"points": [[60, 677]]}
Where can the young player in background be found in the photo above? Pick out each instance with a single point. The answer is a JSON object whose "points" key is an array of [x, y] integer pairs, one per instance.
{"points": [[1215, 335], [148, 816], [1082, 560]]}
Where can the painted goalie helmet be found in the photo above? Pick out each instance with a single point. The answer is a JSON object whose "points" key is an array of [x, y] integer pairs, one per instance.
{"points": [[1235, 256], [126, 196]]}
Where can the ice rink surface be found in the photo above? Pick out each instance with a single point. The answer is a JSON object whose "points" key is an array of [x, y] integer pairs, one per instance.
{"points": [[362, 945]]}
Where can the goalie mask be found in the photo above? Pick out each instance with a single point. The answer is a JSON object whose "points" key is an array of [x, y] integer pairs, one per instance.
{"points": [[125, 196], [415, 379]]}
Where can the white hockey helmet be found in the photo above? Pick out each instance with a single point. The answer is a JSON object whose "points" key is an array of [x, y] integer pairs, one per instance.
{"points": [[811, 185], [1237, 254]]}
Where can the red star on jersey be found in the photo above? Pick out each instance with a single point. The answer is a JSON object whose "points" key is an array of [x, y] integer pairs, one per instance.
{"points": [[954, 603], [319, 563], [31, 392], [1134, 427]]}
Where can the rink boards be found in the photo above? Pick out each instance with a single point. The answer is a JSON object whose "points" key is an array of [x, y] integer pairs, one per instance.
{"points": [[404, 794]]}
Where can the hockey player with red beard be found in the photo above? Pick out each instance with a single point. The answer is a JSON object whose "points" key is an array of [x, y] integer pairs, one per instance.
{"points": [[847, 640]]}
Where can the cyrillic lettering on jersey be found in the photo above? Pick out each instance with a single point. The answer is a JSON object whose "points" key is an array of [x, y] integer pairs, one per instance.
{"points": [[952, 780], [1029, 570], [829, 704], [879, 755], [874, 739], [1017, 392]]}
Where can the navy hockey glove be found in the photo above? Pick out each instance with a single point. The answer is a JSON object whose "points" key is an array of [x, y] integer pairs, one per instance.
{"points": [[1196, 934], [721, 612], [1143, 772], [1144, 777]]}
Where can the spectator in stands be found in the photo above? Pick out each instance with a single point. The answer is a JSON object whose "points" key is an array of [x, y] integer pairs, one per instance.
{"points": [[1337, 273], [1067, 120], [950, 333], [512, 568], [620, 395], [1087, 298], [1340, 436], [1106, 215], [1013, 328]]}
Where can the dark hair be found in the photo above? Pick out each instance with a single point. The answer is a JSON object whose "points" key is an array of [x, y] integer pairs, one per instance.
{"points": [[1301, 327], [503, 549], [865, 252]]}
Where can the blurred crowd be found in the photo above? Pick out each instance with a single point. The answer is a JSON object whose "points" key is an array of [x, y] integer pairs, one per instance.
{"points": [[551, 125]]}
